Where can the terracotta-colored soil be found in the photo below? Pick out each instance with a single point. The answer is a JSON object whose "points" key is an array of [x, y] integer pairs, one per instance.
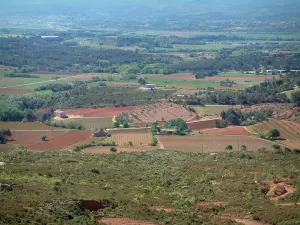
{"points": [[290, 204], [160, 112], [99, 112], [212, 143], [203, 124], [205, 204], [24, 126], [234, 130], [31, 137], [241, 220], [62, 141], [278, 189], [166, 210], [123, 221], [14, 91]]}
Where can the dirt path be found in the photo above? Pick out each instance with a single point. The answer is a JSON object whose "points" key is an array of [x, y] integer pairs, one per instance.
{"points": [[123, 221], [279, 189], [243, 221], [41, 82], [205, 204], [161, 145], [290, 204]]}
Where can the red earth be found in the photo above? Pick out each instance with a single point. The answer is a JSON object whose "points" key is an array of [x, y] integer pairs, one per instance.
{"points": [[99, 112], [202, 124], [233, 130], [62, 141], [31, 137], [242, 78]]}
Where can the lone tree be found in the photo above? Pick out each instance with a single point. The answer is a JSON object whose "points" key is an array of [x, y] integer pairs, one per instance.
{"points": [[273, 133], [44, 138], [244, 148], [3, 135], [142, 81], [229, 148]]}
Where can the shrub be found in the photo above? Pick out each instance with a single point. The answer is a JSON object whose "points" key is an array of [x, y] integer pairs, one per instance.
{"points": [[229, 148], [112, 149], [44, 138], [130, 143], [244, 148], [154, 141]]}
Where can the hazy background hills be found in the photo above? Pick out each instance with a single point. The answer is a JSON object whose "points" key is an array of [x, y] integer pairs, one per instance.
{"points": [[222, 9]]}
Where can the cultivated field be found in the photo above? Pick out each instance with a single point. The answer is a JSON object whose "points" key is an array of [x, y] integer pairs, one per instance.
{"points": [[138, 137], [120, 149], [288, 130], [99, 112], [62, 141], [203, 124], [171, 77], [24, 126], [159, 112], [234, 130], [212, 143], [31, 137], [213, 110], [14, 91], [88, 123]]}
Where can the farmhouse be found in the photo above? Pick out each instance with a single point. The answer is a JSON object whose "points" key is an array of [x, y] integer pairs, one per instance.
{"points": [[150, 86], [60, 114]]}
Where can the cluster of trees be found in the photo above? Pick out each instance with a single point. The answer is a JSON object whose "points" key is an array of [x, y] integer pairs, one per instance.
{"points": [[237, 117], [179, 125], [20, 75], [203, 74], [55, 87], [4, 134]]}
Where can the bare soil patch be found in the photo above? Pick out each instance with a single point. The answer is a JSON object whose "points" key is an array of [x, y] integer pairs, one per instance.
{"points": [[99, 112], [123, 221], [233, 130], [212, 143], [62, 141], [206, 204], [279, 189], [290, 204], [30, 137], [166, 210], [241, 220]]}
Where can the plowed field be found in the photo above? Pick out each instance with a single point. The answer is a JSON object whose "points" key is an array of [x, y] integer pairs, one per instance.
{"points": [[235, 130], [89, 123], [212, 143], [62, 141], [202, 125], [140, 138], [31, 137]]}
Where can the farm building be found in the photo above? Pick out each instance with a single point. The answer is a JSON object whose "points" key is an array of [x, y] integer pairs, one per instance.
{"points": [[150, 86], [60, 114]]}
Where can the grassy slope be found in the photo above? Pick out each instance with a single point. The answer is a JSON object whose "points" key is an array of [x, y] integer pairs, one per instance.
{"points": [[48, 185]]}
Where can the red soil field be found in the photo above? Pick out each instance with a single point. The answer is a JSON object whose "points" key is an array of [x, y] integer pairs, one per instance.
{"points": [[100, 112], [234, 130], [62, 141], [55, 73], [14, 91], [176, 77], [212, 143], [203, 124], [31, 137], [242, 78], [160, 112], [88, 76]]}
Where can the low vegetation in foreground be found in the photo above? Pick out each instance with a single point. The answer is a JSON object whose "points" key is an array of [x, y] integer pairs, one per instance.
{"points": [[47, 187]]}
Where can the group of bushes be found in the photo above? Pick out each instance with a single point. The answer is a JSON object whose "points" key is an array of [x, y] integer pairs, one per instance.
{"points": [[21, 75], [72, 126], [79, 147]]}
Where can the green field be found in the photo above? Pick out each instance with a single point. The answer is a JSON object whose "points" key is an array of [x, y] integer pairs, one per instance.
{"points": [[213, 109], [55, 182], [88, 123]]}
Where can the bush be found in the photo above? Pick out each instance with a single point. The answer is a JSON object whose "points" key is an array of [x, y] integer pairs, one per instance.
{"points": [[44, 138], [154, 141], [130, 143], [93, 144], [229, 148], [112, 149], [244, 148]]}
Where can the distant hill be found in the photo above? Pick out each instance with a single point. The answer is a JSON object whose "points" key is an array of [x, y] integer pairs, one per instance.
{"points": [[127, 9]]}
